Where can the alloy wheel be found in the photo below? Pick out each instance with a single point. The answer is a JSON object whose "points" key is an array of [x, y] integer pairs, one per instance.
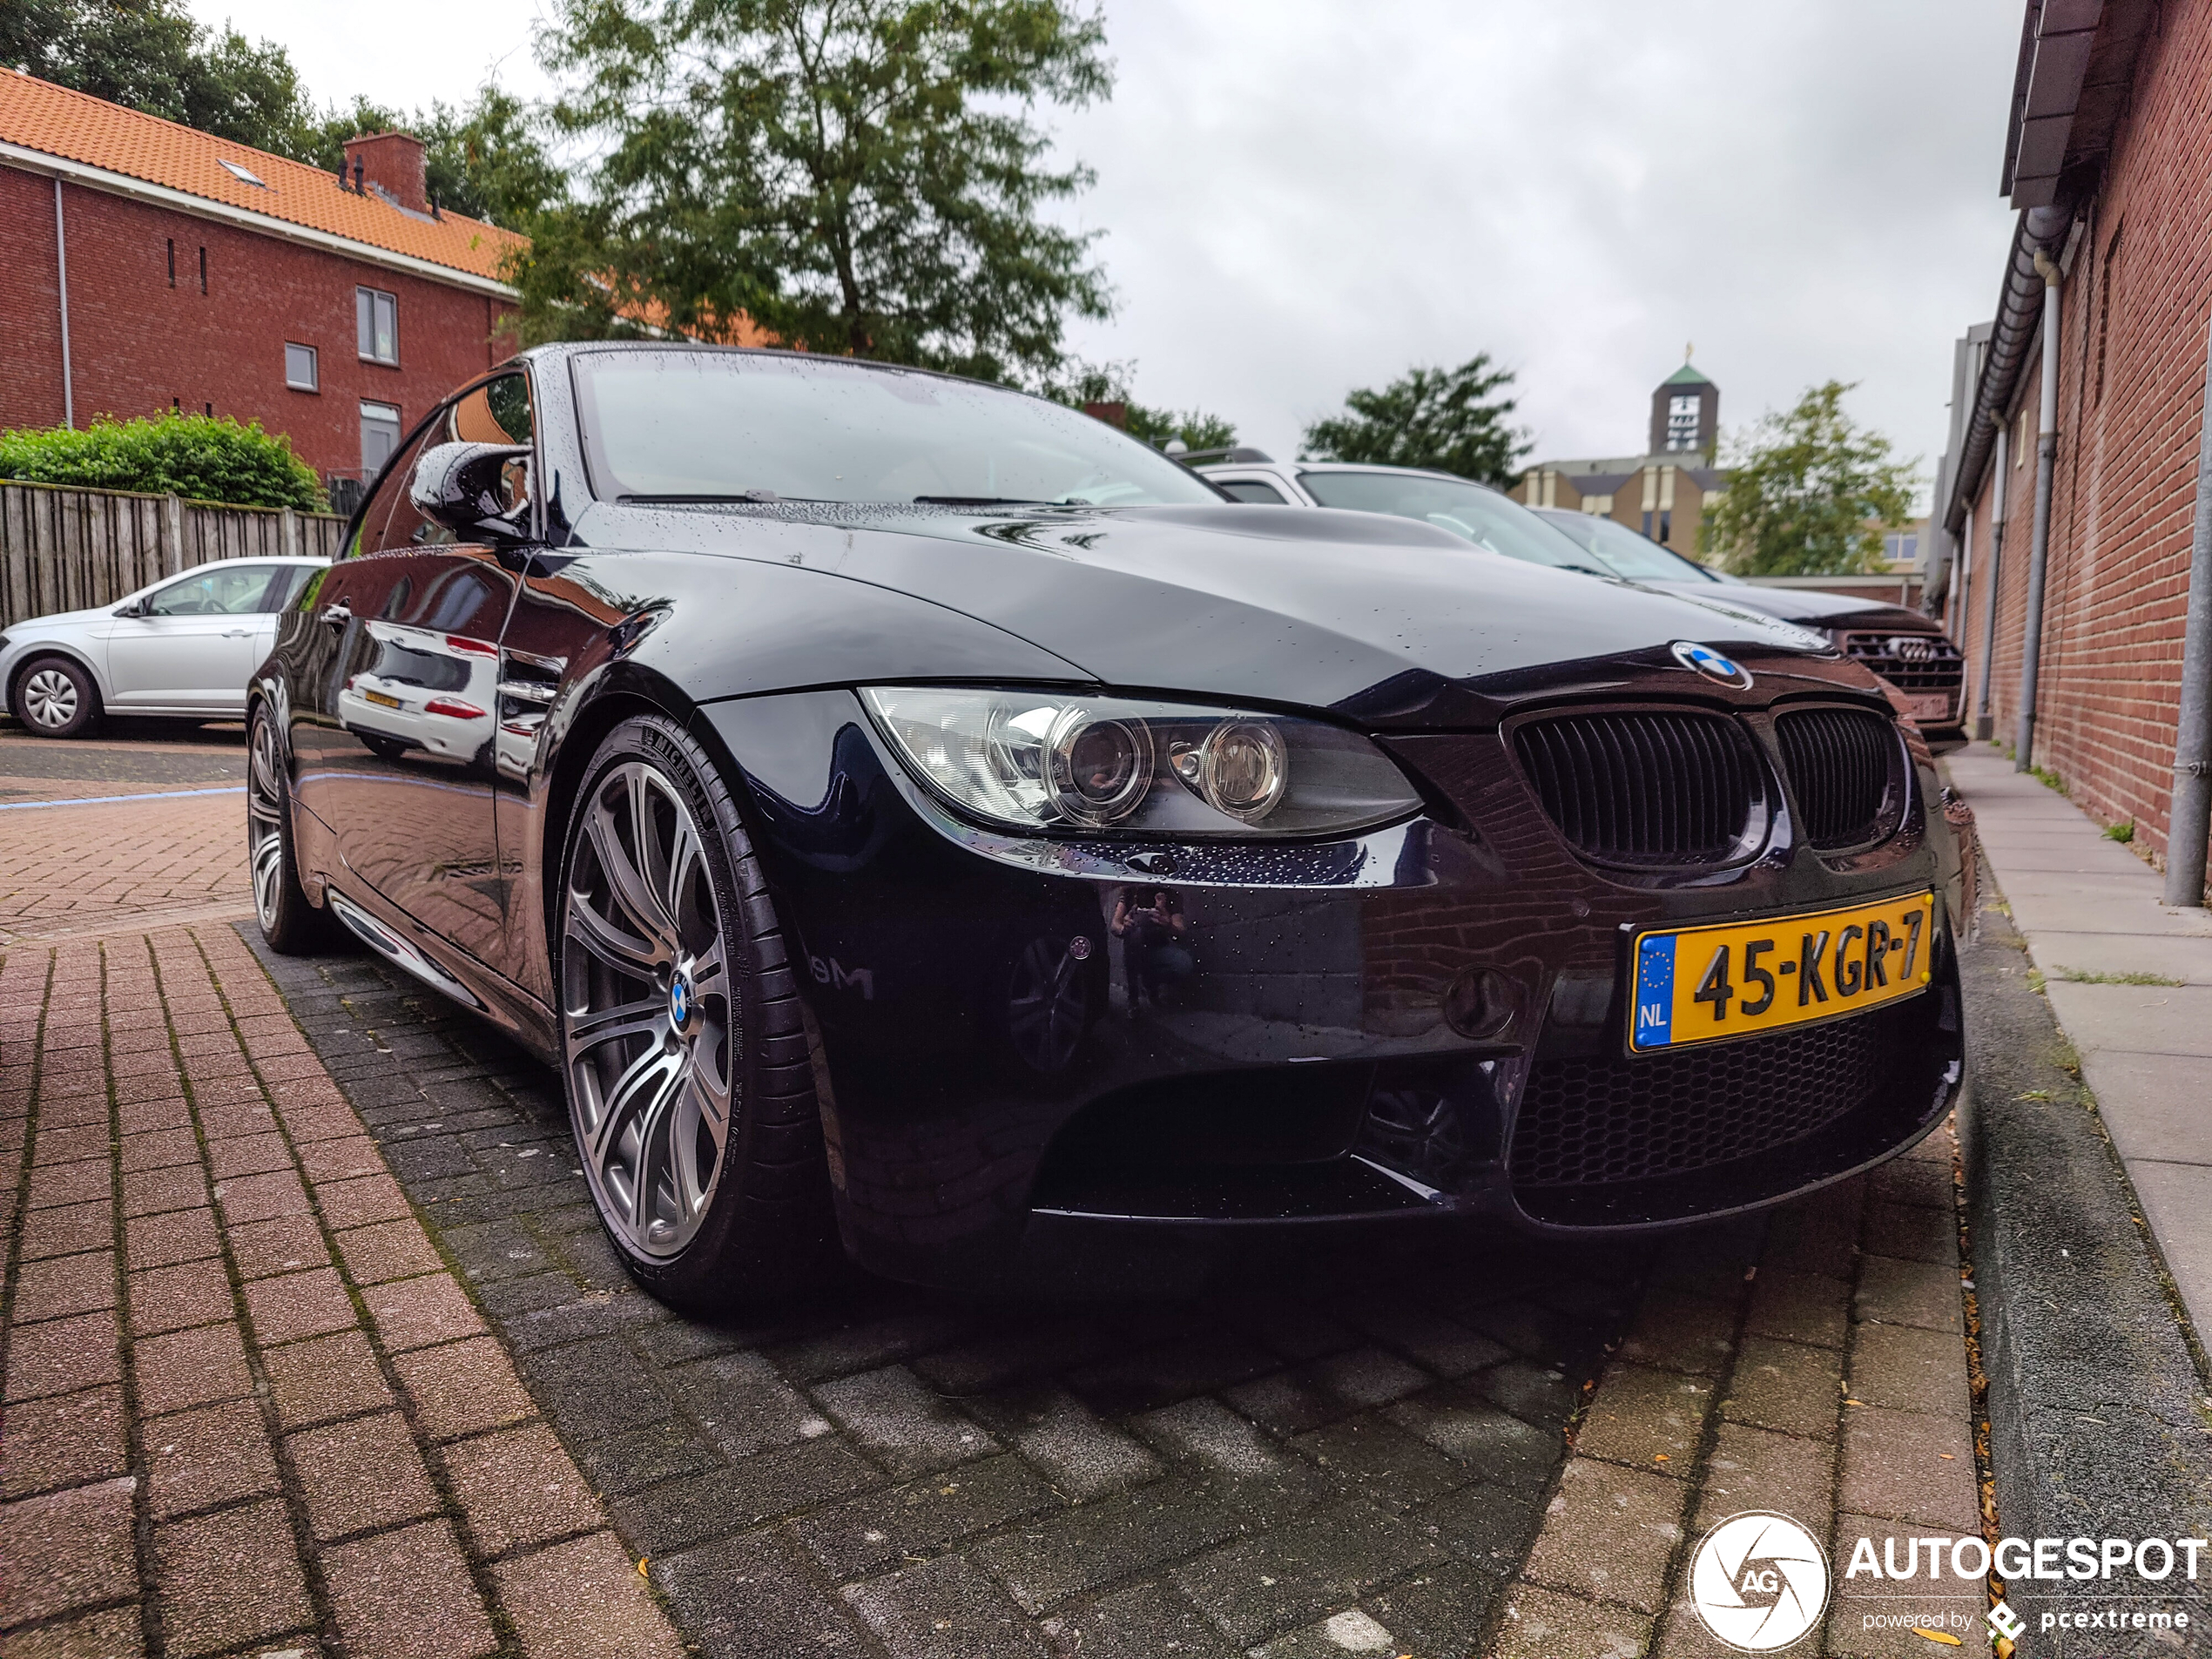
{"points": [[649, 1031], [50, 698], [264, 834]]}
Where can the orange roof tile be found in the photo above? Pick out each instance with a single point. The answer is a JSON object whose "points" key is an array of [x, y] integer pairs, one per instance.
{"points": [[76, 126]]}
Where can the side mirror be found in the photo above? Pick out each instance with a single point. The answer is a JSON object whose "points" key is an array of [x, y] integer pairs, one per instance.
{"points": [[136, 608], [472, 489]]}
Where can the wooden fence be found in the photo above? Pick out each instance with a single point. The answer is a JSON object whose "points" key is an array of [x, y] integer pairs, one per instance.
{"points": [[68, 550]]}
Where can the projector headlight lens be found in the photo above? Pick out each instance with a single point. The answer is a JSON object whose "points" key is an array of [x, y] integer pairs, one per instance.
{"points": [[1245, 770], [1044, 760]]}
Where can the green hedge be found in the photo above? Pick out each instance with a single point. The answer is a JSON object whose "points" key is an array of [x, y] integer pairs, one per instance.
{"points": [[193, 456]]}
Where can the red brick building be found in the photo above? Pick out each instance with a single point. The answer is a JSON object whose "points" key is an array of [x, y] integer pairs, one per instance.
{"points": [[2109, 156], [150, 266]]}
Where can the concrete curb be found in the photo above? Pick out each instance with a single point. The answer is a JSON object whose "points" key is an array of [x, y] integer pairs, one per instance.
{"points": [[2098, 1415]]}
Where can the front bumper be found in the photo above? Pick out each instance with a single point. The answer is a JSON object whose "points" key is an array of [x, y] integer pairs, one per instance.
{"points": [[1418, 1027]]}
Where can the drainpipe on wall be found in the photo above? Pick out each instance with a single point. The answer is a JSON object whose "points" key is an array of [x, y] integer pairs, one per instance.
{"points": [[2191, 819], [61, 271], [2039, 547], [1984, 727], [1959, 603]]}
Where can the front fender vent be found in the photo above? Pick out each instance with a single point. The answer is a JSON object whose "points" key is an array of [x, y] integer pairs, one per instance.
{"points": [[1651, 789], [1847, 769]]}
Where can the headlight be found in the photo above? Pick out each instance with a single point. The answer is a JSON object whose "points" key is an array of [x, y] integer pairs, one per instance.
{"points": [[1042, 760]]}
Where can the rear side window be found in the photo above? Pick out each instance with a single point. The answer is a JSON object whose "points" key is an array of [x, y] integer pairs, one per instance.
{"points": [[1253, 491]]}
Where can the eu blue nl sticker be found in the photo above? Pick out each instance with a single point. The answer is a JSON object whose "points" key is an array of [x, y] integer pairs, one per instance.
{"points": [[1655, 1026]]}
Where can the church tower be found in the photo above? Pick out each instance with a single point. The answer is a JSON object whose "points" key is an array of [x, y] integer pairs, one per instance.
{"points": [[1685, 414]]}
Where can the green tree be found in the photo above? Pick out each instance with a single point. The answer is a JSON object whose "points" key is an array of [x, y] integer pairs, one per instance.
{"points": [[1197, 429], [199, 457], [151, 55], [859, 176], [1808, 493], [1449, 419], [1109, 383]]}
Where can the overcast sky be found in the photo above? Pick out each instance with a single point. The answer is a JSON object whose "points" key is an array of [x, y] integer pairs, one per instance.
{"points": [[1300, 197]]}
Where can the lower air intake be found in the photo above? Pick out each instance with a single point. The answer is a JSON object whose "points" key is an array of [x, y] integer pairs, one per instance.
{"points": [[1595, 1122]]}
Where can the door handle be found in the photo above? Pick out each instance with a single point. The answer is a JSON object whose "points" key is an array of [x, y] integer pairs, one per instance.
{"points": [[337, 616], [238, 633]]}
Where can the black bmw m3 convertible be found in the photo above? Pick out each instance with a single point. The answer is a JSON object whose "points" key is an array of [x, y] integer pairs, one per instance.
{"points": [[914, 816]]}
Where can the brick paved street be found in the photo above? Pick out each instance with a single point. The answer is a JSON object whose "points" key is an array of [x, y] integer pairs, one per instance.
{"points": [[75, 871], [245, 1405], [310, 1332]]}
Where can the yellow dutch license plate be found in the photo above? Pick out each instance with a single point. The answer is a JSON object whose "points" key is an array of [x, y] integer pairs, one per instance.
{"points": [[383, 700], [1707, 984]]}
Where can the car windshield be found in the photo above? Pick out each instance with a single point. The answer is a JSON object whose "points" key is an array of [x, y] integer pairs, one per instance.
{"points": [[744, 426], [1482, 516], [1626, 554]]}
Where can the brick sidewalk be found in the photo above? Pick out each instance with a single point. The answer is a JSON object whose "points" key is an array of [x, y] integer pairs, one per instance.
{"points": [[256, 1415], [84, 872], [81, 871]]}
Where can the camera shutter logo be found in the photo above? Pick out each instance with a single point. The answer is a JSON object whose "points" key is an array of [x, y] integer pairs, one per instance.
{"points": [[1759, 1581]]}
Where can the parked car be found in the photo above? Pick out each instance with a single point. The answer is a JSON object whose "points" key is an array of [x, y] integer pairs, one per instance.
{"points": [[1904, 648], [925, 821], [183, 647], [418, 691], [1470, 511]]}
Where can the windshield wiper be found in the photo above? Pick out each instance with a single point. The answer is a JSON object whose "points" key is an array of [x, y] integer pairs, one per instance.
{"points": [[755, 495], [983, 500]]}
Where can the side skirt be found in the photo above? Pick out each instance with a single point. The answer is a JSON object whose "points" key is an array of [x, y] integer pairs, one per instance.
{"points": [[408, 945]]}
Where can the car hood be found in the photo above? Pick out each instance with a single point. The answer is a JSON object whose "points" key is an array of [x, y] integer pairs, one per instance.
{"points": [[1392, 621], [61, 621], [1792, 605]]}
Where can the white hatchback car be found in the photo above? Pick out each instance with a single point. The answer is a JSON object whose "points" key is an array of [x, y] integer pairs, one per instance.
{"points": [[183, 647]]}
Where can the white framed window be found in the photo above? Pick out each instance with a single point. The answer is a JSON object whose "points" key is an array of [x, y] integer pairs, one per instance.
{"points": [[379, 436], [376, 318], [1681, 421], [300, 371]]}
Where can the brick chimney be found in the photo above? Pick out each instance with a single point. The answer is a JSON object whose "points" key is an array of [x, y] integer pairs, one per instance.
{"points": [[394, 161]]}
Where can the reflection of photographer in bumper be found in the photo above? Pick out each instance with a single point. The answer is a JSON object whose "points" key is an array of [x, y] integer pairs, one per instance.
{"points": [[1150, 924]]}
